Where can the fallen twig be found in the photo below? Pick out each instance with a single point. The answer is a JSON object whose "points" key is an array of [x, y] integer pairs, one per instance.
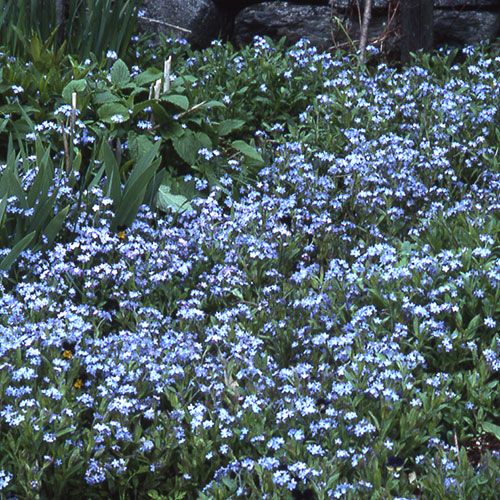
{"points": [[163, 23]]}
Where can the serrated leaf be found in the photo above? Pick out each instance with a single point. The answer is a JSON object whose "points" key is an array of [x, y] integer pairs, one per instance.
{"points": [[187, 146], [181, 101], [228, 126], [104, 96], [169, 201], [138, 145], [120, 75], [248, 150]]}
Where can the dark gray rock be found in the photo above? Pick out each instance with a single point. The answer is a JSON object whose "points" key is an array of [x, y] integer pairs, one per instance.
{"points": [[198, 21], [285, 19], [241, 4], [453, 4], [456, 22], [467, 4], [458, 28], [346, 4]]}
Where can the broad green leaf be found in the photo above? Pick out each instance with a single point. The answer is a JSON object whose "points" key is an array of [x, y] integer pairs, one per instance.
{"points": [[113, 112], [141, 106], [138, 145], [73, 86], [169, 201], [16, 251], [228, 126], [204, 140], [104, 96], [120, 74], [248, 150], [187, 146], [180, 101], [148, 76]]}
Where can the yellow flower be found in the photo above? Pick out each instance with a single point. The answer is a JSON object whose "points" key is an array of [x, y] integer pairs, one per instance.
{"points": [[67, 354]]}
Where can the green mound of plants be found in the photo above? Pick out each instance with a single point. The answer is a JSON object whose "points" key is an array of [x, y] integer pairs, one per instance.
{"points": [[256, 273]]}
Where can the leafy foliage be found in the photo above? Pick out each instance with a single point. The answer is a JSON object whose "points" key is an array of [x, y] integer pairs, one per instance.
{"points": [[277, 275], [88, 27]]}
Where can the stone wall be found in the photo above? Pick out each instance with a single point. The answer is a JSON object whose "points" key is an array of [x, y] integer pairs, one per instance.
{"points": [[324, 22]]}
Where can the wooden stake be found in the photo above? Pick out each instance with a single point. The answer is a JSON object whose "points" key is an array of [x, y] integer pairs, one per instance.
{"points": [[167, 68], [367, 15]]}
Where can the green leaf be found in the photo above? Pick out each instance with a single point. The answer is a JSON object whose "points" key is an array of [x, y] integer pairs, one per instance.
{"points": [[17, 250], [133, 197], [204, 140], [104, 96], [113, 183], [109, 111], [228, 126], [120, 75], [169, 201], [492, 429], [55, 225], [474, 324], [148, 76], [187, 146], [136, 187], [214, 104], [248, 150], [73, 86], [143, 163], [3, 206], [180, 101], [138, 145]]}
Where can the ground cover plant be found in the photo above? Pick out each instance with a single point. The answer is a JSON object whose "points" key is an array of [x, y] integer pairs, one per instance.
{"points": [[299, 298]]}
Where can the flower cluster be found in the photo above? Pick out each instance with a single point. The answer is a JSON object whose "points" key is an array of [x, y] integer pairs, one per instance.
{"points": [[323, 330]]}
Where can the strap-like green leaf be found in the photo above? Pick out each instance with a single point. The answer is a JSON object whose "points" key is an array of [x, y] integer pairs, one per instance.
{"points": [[55, 225], [133, 196], [17, 250], [113, 183]]}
